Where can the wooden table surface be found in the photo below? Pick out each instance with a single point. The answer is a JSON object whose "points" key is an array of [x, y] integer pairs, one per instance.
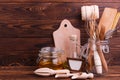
{"points": [[26, 73]]}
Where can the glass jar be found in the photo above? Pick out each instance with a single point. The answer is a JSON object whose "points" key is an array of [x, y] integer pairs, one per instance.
{"points": [[106, 50], [51, 57]]}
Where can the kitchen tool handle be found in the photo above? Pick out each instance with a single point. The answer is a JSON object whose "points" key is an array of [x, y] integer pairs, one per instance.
{"points": [[104, 63], [64, 71], [97, 60]]}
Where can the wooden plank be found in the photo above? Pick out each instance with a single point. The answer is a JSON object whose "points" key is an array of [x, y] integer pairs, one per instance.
{"points": [[28, 58], [112, 69], [38, 28], [58, 1], [26, 28], [26, 44], [26, 73], [32, 28], [46, 11], [115, 59], [19, 58]]}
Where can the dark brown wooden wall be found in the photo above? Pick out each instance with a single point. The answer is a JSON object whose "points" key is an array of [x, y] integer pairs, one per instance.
{"points": [[27, 25]]}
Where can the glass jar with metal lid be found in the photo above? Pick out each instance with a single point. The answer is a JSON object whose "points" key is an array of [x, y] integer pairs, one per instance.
{"points": [[51, 57]]}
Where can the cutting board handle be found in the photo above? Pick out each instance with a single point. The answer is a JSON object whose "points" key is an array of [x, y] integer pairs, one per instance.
{"points": [[65, 24]]}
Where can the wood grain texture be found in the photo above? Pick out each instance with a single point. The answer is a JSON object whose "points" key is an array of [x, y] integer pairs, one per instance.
{"points": [[25, 44], [32, 28], [26, 73], [27, 25], [19, 58], [45, 11], [58, 1]]}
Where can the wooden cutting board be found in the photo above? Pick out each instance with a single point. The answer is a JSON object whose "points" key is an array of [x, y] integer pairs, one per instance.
{"points": [[107, 19], [62, 34]]}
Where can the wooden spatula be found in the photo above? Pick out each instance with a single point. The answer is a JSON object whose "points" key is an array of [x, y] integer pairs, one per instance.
{"points": [[107, 19], [62, 37]]}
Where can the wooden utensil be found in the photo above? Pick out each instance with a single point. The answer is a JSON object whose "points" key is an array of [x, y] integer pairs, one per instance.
{"points": [[115, 21], [107, 19], [102, 33], [109, 33], [104, 63], [62, 34]]}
